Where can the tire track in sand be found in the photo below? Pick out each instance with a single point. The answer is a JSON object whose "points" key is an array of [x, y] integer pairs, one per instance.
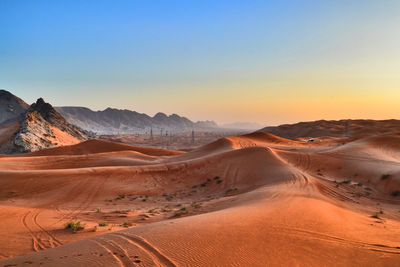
{"points": [[156, 255], [121, 262], [37, 243], [51, 237]]}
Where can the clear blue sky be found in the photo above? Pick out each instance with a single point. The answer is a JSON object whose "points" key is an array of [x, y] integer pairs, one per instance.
{"points": [[264, 61]]}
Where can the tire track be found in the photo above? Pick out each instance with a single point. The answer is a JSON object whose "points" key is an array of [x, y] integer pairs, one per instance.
{"points": [[78, 189], [325, 237], [37, 244], [124, 255], [89, 200], [153, 252], [43, 239], [109, 251], [52, 238], [361, 158], [326, 190], [86, 202]]}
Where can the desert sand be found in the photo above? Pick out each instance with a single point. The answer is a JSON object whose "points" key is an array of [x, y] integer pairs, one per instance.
{"points": [[251, 200]]}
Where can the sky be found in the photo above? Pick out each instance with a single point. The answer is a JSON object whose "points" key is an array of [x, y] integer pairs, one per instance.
{"points": [[269, 62]]}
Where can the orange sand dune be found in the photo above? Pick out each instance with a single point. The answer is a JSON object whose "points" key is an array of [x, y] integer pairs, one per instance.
{"points": [[339, 128], [119, 158], [100, 146], [252, 200]]}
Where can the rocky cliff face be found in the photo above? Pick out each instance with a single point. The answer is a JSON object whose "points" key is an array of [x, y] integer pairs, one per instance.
{"points": [[48, 113], [11, 107], [40, 126], [35, 134], [43, 127]]}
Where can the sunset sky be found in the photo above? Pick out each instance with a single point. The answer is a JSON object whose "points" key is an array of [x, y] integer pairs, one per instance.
{"points": [[269, 62]]}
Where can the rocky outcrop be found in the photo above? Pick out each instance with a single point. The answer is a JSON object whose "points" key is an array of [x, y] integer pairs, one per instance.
{"points": [[35, 134], [55, 119], [43, 127], [11, 107]]}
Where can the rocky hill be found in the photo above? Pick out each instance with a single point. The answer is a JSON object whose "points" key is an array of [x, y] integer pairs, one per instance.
{"points": [[113, 121], [11, 107], [25, 128], [35, 127]]}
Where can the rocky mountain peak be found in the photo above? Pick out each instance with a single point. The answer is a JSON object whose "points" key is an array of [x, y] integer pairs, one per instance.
{"points": [[47, 112], [43, 127]]}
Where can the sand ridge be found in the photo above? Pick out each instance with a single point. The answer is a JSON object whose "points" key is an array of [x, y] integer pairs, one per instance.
{"points": [[261, 199]]}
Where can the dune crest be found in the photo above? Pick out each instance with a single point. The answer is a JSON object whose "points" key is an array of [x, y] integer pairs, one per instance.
{"points": [[261, 199]]}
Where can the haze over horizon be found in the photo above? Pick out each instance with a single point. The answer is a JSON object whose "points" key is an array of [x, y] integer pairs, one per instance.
{"points": [[227, 61]]}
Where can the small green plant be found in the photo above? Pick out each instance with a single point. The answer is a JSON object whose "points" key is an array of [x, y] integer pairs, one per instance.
{"points": [[102, 224], [127, 224], [230, 190], [203, 184], [196, 205], [375, 216], [346, 181], [219, 181], [98, 210], [74, 226], [359, 184], [396, 193], [384, 176], [180, 212], [120, 197]]}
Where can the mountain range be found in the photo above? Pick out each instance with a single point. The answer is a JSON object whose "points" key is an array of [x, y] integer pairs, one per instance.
{"points": [[27, 128], [123, 121]]}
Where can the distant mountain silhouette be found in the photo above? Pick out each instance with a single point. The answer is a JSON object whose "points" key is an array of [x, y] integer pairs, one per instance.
{"points": [[242, 126], [111, 121]]}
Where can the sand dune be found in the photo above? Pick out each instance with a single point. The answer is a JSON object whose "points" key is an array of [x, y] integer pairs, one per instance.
{"points": [[341, 128], [252, 200], [98, 146]]}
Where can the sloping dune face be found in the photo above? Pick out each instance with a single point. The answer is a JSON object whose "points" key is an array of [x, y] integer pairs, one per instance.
{"points": [[252, 200], [335, 128]]}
